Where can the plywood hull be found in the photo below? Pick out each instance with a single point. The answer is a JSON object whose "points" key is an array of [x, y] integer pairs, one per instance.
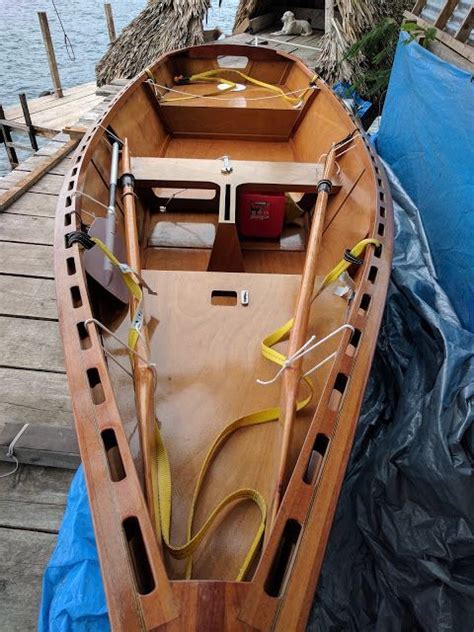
{"points": [[207, 352]]}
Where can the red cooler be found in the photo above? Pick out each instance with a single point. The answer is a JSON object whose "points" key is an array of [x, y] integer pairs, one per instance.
{"points": [[260, 214]]}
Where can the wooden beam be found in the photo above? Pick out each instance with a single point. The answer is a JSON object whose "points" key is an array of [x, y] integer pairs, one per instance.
{"points": [[465, 29], [261, 22], [464, 50], [419, 6], [41, 444], [32, 178], [6, 138], [48, 43], [328, 15], [28, 121], [445, 13], [109, 16]]}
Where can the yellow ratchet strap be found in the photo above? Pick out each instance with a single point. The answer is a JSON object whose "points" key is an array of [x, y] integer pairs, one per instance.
{"points": [[134, 289], [212, 76], [162, 474]]}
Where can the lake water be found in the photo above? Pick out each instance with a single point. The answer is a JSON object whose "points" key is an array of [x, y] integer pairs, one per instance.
{"points": [[23, 62]]}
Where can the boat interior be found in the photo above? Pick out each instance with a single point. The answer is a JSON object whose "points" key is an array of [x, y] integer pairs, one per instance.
{"points": [[211, 138]]}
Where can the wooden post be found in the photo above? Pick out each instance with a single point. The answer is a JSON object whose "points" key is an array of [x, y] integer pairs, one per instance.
{"points": [[6, 137], [109, 16], [48, 43], [328, 15], [28, 121]]}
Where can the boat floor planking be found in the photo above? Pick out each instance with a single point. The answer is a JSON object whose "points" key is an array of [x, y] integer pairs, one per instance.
{"points": [[206, 342]]}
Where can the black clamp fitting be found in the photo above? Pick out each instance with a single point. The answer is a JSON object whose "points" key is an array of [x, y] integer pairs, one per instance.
{"points": [[79, 237], [350, 258], [325, 186], [127, 180]]}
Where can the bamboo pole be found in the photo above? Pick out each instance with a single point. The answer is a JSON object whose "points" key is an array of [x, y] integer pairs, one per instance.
{"points": [[292, 374], [48, 43], [109, 16]]}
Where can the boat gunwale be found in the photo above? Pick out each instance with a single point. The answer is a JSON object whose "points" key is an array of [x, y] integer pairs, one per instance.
{"points": [[125, 498]]}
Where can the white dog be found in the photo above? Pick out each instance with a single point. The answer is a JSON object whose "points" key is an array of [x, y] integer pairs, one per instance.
{"points": [[291, 26]]}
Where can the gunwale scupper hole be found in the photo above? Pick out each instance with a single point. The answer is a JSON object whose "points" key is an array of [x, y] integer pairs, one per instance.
{"points": [[372, 274], [68, 201], [84, 337], [381, 229], [71, 266], [283, 559], [316, 459], [364, 303], [95, 386], [70, 185], [138, 555], [67, 219], [114, 457], [76, 296], [338, 391], [382, 210]]}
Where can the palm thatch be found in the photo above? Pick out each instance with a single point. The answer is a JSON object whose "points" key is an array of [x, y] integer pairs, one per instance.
{"points": [[357, 17], [162, 26]]}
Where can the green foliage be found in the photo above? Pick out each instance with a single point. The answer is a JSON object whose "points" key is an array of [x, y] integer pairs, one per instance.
{"points": [[375, 51]]}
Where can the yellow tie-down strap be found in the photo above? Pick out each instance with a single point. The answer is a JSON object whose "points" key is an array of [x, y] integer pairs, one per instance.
{"points": [[161, 472], [134, 289], [211, 76]]}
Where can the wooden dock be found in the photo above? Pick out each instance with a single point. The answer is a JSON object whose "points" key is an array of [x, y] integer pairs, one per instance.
{"points": [[33, 384], [33, 387]]}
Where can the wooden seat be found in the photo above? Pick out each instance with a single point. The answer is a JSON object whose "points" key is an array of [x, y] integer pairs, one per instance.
{"points": [[246, 174]]}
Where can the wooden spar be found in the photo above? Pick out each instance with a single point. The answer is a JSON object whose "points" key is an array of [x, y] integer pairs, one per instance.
{"points": [[48, 43], [292, 375], [144, 377], [109, 16]]}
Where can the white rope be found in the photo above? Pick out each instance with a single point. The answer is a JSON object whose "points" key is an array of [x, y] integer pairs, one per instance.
{"points": [[11, 451], [217, 98], [285, 43], [307, 348], [110, 133], [100, 325]]}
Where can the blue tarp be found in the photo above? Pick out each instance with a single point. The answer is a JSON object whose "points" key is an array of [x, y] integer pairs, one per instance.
{"points": [[73, 597], [400, 554], [427, 137]]}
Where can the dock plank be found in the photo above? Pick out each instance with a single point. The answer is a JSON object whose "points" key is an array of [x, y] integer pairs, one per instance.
{"points": [[23, 557], [40, 204], [34, 260], [30, 344], [34, 497], [28, 297], [36, 230], [35, 161], [48, 184], [34, 397]]}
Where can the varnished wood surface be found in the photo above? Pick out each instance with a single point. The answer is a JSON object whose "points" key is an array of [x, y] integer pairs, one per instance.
{"points": [[360, 208]]}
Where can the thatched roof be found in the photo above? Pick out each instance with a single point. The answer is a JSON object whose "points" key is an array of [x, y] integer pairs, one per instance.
{"points": [[162, 26]]}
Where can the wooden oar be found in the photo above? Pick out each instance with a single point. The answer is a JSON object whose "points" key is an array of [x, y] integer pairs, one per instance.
{"points": [[298, 336], [143, 374]]}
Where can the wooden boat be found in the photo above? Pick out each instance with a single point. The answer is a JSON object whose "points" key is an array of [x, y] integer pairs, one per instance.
{"points": [[175, 317]]}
